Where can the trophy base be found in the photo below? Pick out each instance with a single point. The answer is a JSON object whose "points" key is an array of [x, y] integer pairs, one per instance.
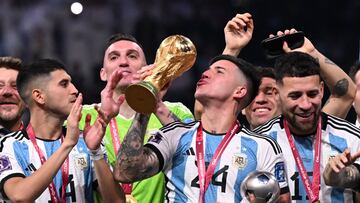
{"points": [[142, 97]]}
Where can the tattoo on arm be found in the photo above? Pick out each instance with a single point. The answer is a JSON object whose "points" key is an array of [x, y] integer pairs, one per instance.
{"points": [[134, 161], [341, 87], [328, 61], [350, 177]]}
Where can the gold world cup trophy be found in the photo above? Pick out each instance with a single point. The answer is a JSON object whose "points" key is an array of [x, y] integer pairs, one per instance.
{"points": [[175, 55]]}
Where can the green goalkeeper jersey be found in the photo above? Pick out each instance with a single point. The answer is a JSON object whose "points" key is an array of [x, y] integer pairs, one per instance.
{"points": [[150, 190]]}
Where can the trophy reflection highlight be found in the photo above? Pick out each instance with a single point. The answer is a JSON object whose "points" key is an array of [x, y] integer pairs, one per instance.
{"points": [[175, 55], [260, 187]]}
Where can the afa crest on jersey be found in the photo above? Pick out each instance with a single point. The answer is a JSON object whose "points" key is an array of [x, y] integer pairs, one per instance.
{"points": [[81, 161], [240, 160]]}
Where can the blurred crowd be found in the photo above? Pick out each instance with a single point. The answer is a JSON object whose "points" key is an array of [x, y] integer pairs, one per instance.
{"points": [[39, 28]]}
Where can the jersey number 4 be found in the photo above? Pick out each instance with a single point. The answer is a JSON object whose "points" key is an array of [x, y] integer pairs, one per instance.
{"points": [[222, 183]]}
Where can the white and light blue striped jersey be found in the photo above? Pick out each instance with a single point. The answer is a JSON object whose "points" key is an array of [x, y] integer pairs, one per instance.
{"points": [[19, 158], [174, 145], [337, 135]]}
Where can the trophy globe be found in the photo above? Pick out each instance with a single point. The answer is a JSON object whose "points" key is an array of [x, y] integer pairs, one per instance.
{"points": [[262, 186]]}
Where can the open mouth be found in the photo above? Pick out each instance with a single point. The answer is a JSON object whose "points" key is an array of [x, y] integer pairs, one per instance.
{"points": [[305, 117], [261, 110]]}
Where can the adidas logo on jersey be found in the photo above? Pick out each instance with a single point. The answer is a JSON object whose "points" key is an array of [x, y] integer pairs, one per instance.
{"points": [[189, 152]]}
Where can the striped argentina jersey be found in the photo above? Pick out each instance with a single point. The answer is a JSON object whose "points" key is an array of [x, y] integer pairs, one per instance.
{"points": [[337, 135], [19, 158], [175, 147]]}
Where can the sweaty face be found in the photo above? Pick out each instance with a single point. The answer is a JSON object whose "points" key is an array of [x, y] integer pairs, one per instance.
{"points": [[356, 103], [219, 81], [301, 102], [265, 105], [126, 55], [60, 93], [11, 105]]}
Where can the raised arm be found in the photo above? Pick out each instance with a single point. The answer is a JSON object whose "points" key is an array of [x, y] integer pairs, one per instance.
{"points": [[238, 32], [341, 172], [341, 86], [136, 162], [107, 186]]}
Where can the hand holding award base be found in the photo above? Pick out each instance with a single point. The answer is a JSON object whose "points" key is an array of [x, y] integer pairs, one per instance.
{"points": [[175, 55]]}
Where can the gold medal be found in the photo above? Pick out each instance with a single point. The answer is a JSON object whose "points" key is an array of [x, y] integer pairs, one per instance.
{"points": [[130, 199], [318, 201]]}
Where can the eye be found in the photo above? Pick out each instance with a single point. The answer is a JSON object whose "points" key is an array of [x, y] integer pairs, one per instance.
{"points": [[64, 83], [113, 57], [294, 96], [313, 94], [14, 86], [133, 56]]}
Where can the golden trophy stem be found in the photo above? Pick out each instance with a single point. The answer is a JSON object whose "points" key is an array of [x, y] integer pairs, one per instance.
{"points": [[142, 97]]}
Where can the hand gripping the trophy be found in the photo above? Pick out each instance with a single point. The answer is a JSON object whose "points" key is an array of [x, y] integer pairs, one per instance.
{"points": [[175, 55]]}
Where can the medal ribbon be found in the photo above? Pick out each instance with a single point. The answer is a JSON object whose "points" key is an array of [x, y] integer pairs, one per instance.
{"points": [[206, 175], [64, 169], [313, 189], [114, 131]]}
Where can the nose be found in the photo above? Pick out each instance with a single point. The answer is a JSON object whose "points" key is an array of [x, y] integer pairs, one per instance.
{"points": [[305, 103], [123, 62], [260, 98], [7, 91], [73, 89], [206, 74]]}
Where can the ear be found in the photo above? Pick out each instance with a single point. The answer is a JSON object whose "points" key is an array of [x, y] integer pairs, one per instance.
{"points": [[38, 96], [322, 89], [103, 75], [240, 92], [243, 112]]}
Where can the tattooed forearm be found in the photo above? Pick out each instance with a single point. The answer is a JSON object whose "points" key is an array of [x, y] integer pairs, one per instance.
{"points": [[135, 161], [341, 87], [134, 139], [349, 177], [328, 61]]}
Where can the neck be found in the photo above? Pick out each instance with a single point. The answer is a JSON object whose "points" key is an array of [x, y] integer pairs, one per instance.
{"points": [[125, 110], [46, 125], [218, 119], [12, 125]]}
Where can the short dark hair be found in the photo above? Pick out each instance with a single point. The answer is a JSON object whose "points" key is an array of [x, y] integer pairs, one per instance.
{"points": [[121, 36], [267, 72], [354, 69], [9, 62], [249, 70], [296, 64], [32, 72]]}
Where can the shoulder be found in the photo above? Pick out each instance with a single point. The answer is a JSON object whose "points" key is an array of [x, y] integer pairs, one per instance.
{"points": [[262, 140], [340, 124], [269, 126], [178, 127], [177, 106], [5, 141]]}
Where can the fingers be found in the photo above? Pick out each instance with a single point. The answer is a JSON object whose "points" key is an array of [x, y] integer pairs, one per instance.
{"points": [[145, 71], [114, 79], [240, 22], [77, 107], [355, 156], [341, 161], [286, 47]]}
